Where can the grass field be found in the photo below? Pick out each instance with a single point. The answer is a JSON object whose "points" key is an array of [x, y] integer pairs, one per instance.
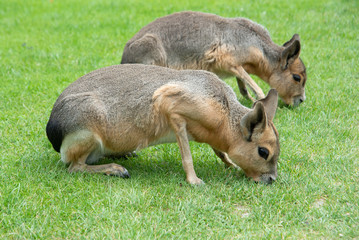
{"points": [[46, 45]]}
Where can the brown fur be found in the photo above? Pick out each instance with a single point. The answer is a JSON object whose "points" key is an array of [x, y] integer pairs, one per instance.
{"points": [[119, 109], [226, 46]]}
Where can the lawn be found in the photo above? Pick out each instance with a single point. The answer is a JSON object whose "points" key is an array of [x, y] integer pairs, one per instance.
{"points": [[46, 45]]}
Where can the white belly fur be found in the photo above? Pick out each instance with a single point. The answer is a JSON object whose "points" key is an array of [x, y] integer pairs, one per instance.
{"points": [[169, 138]]}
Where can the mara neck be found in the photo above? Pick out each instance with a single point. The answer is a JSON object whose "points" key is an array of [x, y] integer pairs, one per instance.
{"points": [[262, 62]]}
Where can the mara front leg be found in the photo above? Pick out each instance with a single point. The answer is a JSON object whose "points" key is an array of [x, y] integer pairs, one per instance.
{"points": [[179, 126], [243, 90], [243, 76], [224, 157]]}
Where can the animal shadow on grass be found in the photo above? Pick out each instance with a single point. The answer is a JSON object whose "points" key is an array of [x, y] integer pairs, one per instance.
{"points": [[157, 164]]}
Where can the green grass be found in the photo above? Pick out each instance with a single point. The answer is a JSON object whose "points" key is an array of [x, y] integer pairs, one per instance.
{"points": [[46, 45]]}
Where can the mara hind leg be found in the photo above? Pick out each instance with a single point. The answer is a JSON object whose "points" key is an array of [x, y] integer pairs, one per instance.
{"points": [[147, 50], [82, 147]]}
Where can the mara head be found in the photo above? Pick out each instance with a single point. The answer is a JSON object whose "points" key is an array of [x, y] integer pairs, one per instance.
{"points": [[289, 76], [258, 149]]}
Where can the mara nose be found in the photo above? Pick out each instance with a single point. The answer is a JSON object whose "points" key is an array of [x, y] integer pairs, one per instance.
{"points": [[299, 100], [302, 98], [269, 179]]}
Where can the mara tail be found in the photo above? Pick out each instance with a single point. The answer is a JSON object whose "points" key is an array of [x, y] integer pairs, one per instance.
{"points": [[54, 134]]}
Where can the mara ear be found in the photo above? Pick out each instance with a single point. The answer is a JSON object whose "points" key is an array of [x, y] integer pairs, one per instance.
{"points": [[255, 120], [291, 51], [270, 103], [295, 37]]}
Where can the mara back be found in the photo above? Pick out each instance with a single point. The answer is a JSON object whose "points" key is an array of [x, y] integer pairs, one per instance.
{"points": [[186, 36], [122, 96]]}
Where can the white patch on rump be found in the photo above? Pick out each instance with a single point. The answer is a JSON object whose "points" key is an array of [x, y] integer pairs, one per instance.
{"points": [[82, 138]]}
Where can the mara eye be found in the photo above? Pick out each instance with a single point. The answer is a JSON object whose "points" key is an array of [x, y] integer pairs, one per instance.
{"points": [[263, 152], [296, 77]]}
